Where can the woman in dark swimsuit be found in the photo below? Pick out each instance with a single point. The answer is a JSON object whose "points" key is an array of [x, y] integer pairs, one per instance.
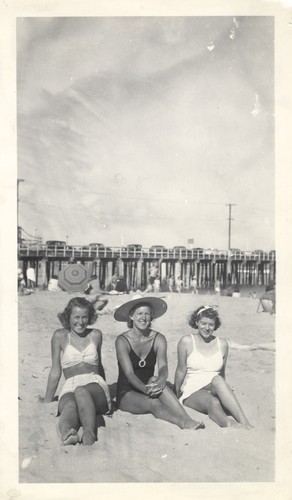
{"points": [[139, 349]]}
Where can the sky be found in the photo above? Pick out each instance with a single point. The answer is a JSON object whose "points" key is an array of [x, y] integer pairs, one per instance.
{"points": [[144, 129]]}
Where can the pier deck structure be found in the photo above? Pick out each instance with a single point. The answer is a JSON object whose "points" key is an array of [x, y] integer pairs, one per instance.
{"points": [[229, 267]]}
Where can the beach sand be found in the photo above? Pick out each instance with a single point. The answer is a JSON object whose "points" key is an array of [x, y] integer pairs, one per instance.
{"points": [[133, 448]]}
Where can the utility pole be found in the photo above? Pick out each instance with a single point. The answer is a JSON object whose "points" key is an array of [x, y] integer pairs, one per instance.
{"points": [[18, 181], [230, 205]]}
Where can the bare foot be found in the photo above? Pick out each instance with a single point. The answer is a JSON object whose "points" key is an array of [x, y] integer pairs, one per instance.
{"points": [[232, 423], [88, 437], [238, 425], [193, 425], [247, 426], [71, 437]]}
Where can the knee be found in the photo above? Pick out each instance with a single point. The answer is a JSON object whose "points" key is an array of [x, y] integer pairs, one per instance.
{"points": [[217, 382]]}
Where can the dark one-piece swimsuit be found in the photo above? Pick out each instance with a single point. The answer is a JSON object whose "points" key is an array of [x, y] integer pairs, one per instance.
{"points": [[144, 371]]}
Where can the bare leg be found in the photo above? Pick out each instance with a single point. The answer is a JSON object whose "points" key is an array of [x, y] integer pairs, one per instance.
{"points": [[138, 403], [99, 302], [205, 402], [169, 399], [221, 389], [90, 400], [69, 423], [260, 304]]}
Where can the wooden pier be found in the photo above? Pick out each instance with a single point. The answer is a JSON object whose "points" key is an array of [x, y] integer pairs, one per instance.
{"points": [[236, 268]]}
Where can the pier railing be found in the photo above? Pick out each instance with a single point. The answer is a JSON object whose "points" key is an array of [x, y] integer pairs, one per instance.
{"points": [[88, 252]]}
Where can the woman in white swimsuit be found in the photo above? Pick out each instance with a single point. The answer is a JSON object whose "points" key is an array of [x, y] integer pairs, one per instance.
{"points": [[76, 350], [200, 374]]}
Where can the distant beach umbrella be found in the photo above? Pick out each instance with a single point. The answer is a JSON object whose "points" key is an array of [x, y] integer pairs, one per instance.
{"points": [[74, 278]]}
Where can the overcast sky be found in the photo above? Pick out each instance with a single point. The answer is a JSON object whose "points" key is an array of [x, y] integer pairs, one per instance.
{"points": [[142, 129]]}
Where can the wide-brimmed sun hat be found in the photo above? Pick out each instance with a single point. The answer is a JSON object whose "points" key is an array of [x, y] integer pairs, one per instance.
{"points": [[158, 306]]}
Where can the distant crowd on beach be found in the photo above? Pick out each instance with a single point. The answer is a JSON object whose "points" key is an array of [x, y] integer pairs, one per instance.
{"points": [[172, 284], [28, 285]]}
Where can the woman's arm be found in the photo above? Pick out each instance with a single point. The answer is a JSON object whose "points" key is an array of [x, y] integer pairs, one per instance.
{"points": [[225, 349], [56, 370], [98, 336], [181, 368], [156, 384], [126, 365]]}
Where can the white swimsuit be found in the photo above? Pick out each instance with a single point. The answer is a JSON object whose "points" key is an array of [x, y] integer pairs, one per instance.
{"points": [[200, 370], [72, 357]]}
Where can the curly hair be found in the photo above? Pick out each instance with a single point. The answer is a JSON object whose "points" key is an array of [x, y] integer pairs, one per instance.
{"points": [[207, 312], [64, 316], [130, 321]]}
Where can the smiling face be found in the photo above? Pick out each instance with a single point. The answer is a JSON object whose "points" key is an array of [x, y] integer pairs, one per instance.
{"points": [[206, 327], [79, 319], [141, 317]]}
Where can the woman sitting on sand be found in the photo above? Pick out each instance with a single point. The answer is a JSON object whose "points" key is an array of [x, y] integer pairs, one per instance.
{"points": [[77, 350], [200, 375], [138, 351]]}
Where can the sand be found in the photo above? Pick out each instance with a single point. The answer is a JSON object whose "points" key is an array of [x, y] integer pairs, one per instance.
{"points": [[134, 449]]}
